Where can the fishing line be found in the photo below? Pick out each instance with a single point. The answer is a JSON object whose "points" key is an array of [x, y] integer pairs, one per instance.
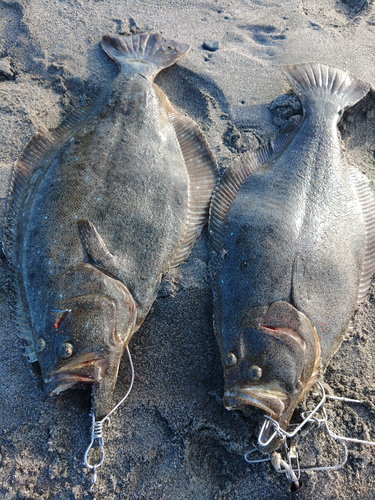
{"points": [[285, 466], [97, 430]]}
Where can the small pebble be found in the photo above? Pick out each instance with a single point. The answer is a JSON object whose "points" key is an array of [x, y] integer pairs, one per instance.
{"points": [[211, 46]]}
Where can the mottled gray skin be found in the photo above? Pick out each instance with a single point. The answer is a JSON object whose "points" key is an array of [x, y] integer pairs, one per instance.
{"points": [[294, 234], [302, 206], [124, 173]]}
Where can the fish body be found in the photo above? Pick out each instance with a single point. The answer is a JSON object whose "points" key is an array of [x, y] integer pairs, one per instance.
{"points": [[106, 209], [292, 253]]}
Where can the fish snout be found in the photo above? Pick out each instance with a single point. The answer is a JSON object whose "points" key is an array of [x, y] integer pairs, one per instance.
{"points": [[89, 367], [269, 397]]}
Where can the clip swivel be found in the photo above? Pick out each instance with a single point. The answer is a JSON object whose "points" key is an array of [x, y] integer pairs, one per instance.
{"points": [[97, 440]]}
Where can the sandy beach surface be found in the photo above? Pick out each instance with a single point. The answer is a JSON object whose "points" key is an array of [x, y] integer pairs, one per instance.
{"points": [[173, 439]]}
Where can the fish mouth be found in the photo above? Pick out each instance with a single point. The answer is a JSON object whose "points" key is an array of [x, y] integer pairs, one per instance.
{"points": [[269, 397], [88, 367]]}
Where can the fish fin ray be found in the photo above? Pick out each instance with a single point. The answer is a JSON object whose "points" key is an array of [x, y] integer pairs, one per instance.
{"points": [[132, 52], [29, 161], [365, 193], [94, 244], [226, 190], [311, 80], [30, 354], [237, 173], [36, 155], [202, 172], [22, 320], [35, 158], [350, 329]]}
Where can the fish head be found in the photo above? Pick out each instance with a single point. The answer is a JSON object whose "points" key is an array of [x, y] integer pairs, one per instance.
{"points": [[87, 335], [273, 362]]}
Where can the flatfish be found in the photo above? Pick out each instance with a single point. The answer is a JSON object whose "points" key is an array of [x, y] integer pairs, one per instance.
{"points": [[293, 250], [99, 210]]}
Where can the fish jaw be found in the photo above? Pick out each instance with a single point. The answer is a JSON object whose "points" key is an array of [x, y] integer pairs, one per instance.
{"points": [[272, 366], [269, 397], [87, 367], [102, 390], [272, 400]]}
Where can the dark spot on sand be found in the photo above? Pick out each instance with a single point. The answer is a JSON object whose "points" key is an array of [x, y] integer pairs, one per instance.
{"points": [[284, 107]]}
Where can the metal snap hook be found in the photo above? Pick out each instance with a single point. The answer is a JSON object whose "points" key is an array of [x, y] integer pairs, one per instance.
{"points": [[255, 460], [278, 431], [97, 439]]}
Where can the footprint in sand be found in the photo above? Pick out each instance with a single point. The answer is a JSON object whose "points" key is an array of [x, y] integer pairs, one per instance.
{"points": [[264, 34]]}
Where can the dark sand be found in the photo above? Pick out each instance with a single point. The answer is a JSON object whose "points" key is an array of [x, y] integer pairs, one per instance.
{"points": [[173, 439]]}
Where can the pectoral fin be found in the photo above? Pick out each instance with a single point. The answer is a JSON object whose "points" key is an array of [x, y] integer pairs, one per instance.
{"points": [[97, 250], [300, 282]]}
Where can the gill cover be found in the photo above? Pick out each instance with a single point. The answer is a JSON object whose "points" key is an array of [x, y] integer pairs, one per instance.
{"points": [[97, 323]]}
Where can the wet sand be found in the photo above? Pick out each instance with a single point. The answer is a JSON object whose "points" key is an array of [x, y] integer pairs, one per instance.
{"points": [[173, 439]]}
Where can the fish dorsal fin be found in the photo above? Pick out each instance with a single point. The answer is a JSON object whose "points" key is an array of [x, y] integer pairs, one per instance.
{"points": [[29, 161], [146, 54], [367, 200], [202, 172], [31, 158], [231, 181], [237, 173], [34, 159]]}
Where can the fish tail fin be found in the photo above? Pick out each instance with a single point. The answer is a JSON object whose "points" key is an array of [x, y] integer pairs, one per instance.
{"points": [[317, 83], [146, 54]]}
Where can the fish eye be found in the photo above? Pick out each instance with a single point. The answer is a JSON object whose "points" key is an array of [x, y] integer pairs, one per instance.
{"points": [[255, 372], [231, 359], [66, 350], [40, 344]]}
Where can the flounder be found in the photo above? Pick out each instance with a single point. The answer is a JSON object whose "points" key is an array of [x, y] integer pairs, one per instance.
{"points": [[99, 210], [293, 249]]}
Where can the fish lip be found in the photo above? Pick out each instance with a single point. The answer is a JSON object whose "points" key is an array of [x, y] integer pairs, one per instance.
{"points": [[261, 397], [78, 361], [88, 367]]}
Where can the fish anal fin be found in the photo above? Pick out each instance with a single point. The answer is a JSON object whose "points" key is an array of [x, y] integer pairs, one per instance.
{"points": [[366, 198], [146, 54], [202, 172]]}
